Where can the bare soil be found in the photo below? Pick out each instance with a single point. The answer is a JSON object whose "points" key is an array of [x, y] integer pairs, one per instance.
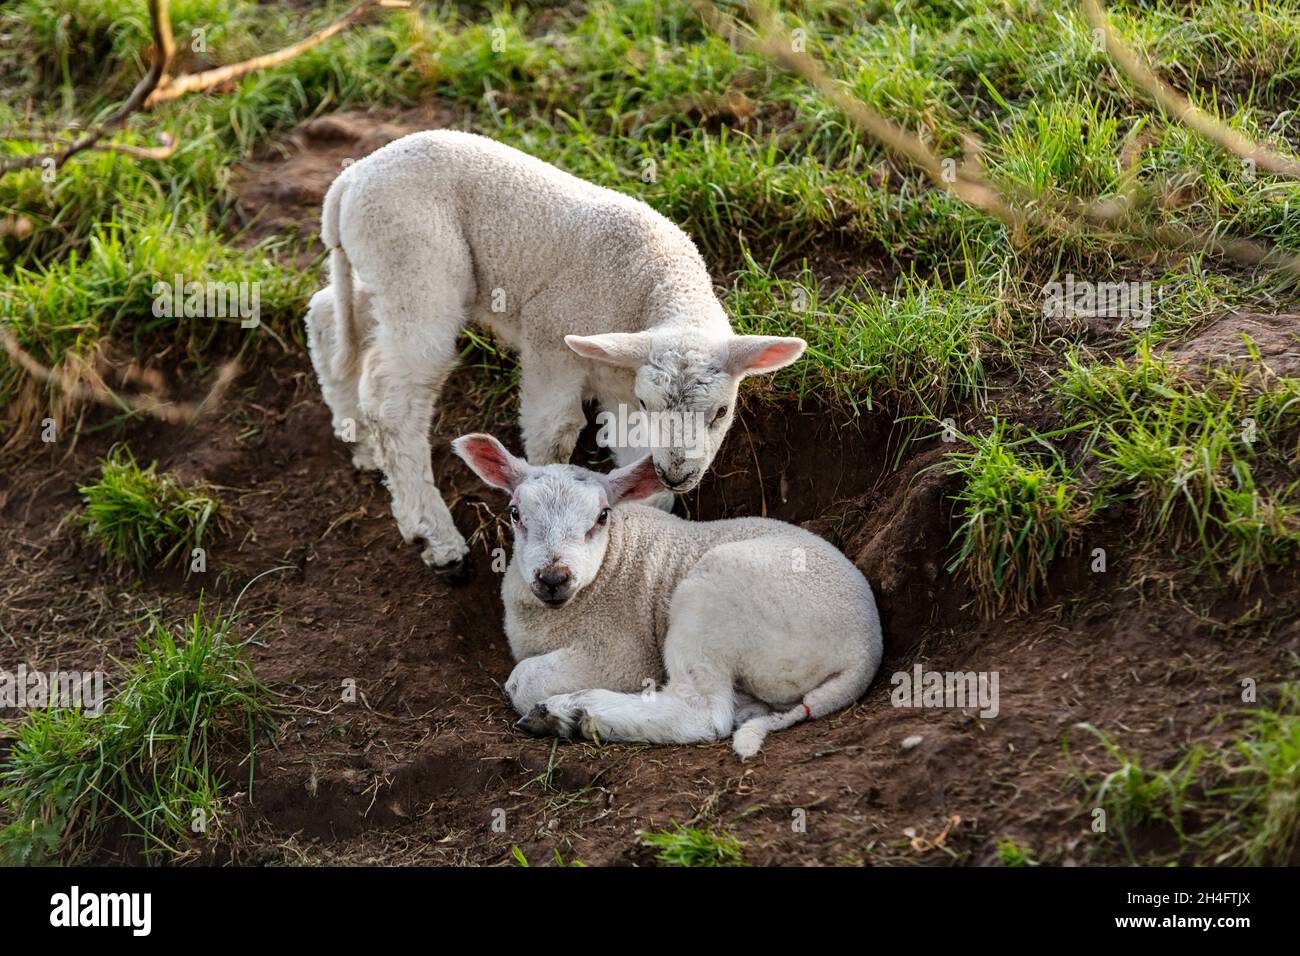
{"points": [[426, 766]]}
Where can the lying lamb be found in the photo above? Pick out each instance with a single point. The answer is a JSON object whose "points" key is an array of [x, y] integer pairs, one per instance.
{"points": [[758, 623], [600, 296]]}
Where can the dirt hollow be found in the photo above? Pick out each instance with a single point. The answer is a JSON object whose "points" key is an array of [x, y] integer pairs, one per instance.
{"points": [[426, 766]]}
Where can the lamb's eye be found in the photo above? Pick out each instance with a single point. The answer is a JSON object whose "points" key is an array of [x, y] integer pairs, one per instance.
{"points": [[718, 417], [641, 402], [514, 514], [603, 516]]}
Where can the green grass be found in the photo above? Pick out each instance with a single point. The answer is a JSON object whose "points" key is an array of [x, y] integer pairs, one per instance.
{"points": [[1203, 460], [687, 846], [142, 519], [1011, 853], [1018, 509], [522, 860], [1235, 805], [1134, 796], [75, 44], [108, 293], [147, 768], [1210, 464], [607, 90], [925, 348]]}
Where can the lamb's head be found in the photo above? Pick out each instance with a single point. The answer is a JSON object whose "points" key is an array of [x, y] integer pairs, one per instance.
{"points": [[559, 513], [686, 387]]}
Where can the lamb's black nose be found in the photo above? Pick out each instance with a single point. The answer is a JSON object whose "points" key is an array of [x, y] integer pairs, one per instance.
{"points": [[554, 578]]}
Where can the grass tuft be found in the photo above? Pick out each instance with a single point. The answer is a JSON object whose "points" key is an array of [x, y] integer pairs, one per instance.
{"points": [[1208, 462], [144, 767], [143, 519], [1237, 805], [1017, 513], [687, 846], [1011, 853]]}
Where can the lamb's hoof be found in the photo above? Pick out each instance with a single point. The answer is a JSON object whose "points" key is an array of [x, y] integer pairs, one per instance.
{"points": [[536, 722], [747, 741], [452, 569], [541, 721], [456, 573]]}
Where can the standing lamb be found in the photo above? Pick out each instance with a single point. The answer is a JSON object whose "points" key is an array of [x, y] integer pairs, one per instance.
{"points": [[600, 296], [758, 623]]}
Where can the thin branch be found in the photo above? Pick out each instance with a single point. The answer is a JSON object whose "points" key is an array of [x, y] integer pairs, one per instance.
{"points": [[163, 51], [157, 86], [965, 180], [172, 88], [777, 45], [1173, 102], [172, 412], [165, 151]]}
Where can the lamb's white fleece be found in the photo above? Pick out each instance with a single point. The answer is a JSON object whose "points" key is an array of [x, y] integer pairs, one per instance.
{"points": [[751, 615], [525, 227], [601, 296]]}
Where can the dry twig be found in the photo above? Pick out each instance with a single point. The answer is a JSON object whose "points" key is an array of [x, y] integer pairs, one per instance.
{"points": [[967, 181], [81, 390], [158, 86], [1174, 103]]}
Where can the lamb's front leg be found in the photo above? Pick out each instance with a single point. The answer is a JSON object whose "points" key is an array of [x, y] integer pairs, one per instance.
{"points": [[550, 407], [682, 715], [544, 675]]}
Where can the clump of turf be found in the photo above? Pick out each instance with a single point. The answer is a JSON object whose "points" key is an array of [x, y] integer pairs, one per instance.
{"points": [[1209, 462], [144, 765], [1016, 514], [687, 846], [141, 518]]}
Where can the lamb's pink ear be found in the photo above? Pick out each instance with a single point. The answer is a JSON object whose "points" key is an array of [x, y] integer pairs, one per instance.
{"points": [[638, 480], [760, 354], [490, 461], [626, 349]]}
